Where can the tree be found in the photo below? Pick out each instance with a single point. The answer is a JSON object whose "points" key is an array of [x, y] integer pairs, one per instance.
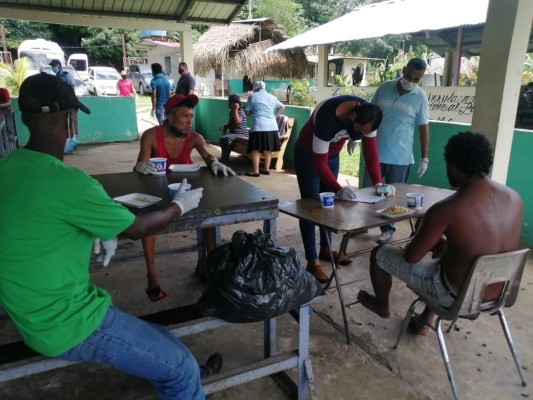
{"points": [[12, 78], [104, 45], [286, 13], [18, 31]]}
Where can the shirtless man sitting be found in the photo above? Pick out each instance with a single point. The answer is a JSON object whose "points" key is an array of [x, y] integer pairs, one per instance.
{"points": [[174, 141], [482, 217]]}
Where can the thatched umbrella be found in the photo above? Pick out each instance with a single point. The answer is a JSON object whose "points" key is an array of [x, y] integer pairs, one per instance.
{"points": [[239, 49]]}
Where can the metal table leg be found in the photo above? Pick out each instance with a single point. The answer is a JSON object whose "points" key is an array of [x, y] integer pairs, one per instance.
{"points": [[339, 290]]}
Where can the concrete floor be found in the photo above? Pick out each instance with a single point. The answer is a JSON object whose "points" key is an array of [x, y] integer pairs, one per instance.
{"points": [[367, 369]]}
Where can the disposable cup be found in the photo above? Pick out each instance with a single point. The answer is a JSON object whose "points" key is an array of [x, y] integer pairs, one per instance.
{"points": [[174, 187], [327, 199], [160, 165], [415, 200]]}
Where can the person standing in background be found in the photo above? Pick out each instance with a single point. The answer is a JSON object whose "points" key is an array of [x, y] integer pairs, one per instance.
{"points": [[186, 82], [5, 98], [65, 76], [125, 86], [160, 92], [264, 138], [405, 106]]}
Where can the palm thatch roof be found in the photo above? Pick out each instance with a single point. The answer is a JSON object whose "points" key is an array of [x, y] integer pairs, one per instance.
{"points": [[239, 49]]}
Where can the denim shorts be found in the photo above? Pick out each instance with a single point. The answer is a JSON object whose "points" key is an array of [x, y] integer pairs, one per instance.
{"points": [[424, 276]]}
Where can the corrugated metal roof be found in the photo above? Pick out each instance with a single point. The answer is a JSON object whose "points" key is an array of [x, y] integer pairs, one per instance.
{"points": [[392, 18], [181, 11]]}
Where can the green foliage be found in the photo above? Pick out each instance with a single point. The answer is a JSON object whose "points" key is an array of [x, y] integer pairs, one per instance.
{"points": [[300, 93], [527, 74], [349, 164], [12, 78], [287, 13], [18, 31], [104, 45]]}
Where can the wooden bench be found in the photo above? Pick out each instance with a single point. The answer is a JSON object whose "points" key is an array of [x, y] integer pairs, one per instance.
{"points": [[241, 145]]}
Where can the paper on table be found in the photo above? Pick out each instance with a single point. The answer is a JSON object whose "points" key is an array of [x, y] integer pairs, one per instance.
{"points": [[368, 195]]}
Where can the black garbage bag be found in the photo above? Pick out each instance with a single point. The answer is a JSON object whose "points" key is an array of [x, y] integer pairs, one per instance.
{"points": [[250, 279]]}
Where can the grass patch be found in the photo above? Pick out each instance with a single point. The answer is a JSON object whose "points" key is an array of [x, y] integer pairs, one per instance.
{"points": [[349, 164]]}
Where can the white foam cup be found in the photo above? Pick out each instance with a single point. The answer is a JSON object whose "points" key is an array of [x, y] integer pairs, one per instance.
{"points": [[160, 164], [415, 200], [174, 187], [327, 199]]}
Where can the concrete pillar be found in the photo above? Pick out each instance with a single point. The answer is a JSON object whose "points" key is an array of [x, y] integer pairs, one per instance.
{"points": [[186, 54], [503, 48], [322, 74]]}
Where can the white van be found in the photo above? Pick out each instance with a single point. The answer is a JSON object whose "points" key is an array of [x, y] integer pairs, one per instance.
{"points": [[39, 53], [80, 62]]}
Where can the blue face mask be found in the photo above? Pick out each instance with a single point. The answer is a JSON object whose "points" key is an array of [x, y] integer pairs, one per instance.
{"points": [[71, 143], [55, 69]]}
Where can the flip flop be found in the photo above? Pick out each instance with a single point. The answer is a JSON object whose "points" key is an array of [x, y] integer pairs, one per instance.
{"points": [[255, 175], [344, 260], [419, 326], [155, 294]]}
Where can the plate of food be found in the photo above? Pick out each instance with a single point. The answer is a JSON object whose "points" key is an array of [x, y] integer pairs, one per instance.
{"points": [[138, 200], [395, 211], [184, 167]]}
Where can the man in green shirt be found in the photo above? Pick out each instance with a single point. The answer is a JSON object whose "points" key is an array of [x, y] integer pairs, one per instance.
{"points": [[50, 214]]}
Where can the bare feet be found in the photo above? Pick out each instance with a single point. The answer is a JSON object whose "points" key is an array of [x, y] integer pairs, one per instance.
{"points": [[371, 302], [417, 325]]}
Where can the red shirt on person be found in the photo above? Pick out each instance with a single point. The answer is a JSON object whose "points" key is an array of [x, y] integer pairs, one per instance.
{"points": [[4, 97], [125, 87]]}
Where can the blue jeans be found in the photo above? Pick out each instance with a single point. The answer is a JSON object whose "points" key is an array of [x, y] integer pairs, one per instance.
{"points": [[390, 173], [310, 186], [145, 350], [160, 114]]}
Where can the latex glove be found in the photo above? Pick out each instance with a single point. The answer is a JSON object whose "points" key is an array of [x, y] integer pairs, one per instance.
{"points": [[218, 166], [350, 146], [385, 190], [110, 247], [152, 113], [347, 193], [187, 201], [146, 167], [422, 167]]}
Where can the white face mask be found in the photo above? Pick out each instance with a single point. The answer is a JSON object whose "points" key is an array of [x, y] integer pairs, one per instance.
{"points": [[406, 85]]}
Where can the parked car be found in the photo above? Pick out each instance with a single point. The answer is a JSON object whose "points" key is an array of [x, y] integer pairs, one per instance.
{"points": [[79, 86], [103, 81], [141, 75]]}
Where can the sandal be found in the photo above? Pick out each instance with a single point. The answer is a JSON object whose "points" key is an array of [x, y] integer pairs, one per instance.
{"points": [[213, 365], [344, 260], [418, 325], [256, 175], [264, 172], [155, 294]]}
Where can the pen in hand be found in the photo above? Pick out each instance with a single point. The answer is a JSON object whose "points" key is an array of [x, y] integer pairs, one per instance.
{"points": [[351, 187]]}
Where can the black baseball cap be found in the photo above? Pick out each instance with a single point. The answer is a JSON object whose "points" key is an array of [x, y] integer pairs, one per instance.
{"points": [[45, 93], [55, 62]]}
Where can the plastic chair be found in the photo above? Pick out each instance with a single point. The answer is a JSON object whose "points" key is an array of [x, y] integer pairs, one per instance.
{"points": [[505, 267]]}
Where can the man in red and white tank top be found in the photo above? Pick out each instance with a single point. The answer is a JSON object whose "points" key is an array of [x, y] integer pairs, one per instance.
{"points": [[174, 141]]}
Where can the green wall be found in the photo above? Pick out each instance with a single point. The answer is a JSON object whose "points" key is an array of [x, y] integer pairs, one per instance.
{"points": [[112, 119], [210, 113], [518, 176]]}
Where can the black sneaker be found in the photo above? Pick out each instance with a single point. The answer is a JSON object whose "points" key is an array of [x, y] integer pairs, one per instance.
{"points": [[213, 365]]}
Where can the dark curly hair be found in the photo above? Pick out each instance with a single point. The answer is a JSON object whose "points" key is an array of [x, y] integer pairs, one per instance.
{"points": [[470, 152], [234, 98], [368, 112]]}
